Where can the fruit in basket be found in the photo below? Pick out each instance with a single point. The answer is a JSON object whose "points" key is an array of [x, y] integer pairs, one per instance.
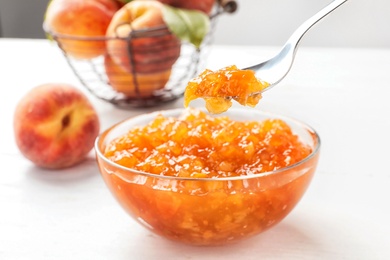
{"points": [[55, 125], [77, 25], [134, 85], [141, 42], [189, 25], [205, 6]]}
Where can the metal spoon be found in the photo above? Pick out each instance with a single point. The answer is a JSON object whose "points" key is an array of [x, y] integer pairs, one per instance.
{"points": [[276, 68]]}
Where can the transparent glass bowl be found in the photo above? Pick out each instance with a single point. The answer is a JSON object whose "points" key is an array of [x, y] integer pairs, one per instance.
{"points": [[208, 212]]}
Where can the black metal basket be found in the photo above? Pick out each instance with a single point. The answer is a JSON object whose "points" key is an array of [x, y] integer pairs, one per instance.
{"points": [[105, 82]]}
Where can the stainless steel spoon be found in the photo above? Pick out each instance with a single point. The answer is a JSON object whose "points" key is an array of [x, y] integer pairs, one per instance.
{"points": [[276, 68]]}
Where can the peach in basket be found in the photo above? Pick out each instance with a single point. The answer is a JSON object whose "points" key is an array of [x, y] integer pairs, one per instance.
{"points": [[208, 180]]}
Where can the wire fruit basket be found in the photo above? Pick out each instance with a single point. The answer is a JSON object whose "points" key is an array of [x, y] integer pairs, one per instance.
{"points": [[147, 77]]}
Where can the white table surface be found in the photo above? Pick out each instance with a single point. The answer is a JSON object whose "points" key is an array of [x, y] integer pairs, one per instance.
{"points": [[343, 93]]}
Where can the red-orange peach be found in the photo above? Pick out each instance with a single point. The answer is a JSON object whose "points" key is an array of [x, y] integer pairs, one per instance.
{"points": [[79, 26], [134, 85], [55, 125], [140, 41]]}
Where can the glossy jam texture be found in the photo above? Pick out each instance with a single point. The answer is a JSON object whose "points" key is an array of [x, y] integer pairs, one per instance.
{"points": [[201, 146], [219, 87], [205, 209]]}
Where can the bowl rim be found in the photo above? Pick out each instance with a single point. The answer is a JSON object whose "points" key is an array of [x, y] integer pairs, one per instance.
{"points": [[307, 127]]}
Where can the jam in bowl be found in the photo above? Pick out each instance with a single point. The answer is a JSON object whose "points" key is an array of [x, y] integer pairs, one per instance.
{"points": [[205, 179]]}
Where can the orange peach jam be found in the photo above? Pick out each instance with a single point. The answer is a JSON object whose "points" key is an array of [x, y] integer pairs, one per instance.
{"points": [[205, 209], [217, 88], [197, 145]]}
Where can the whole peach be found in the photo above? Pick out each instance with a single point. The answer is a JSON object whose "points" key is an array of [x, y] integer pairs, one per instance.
{"points": [[205, 6], [55, 125], [79, 26], [134, 85], [140, 41]]}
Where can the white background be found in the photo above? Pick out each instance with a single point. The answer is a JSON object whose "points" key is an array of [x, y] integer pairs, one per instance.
{"points": [[357, 23]]}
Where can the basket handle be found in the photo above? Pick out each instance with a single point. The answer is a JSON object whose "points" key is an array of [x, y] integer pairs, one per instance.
{"points": [[229, 6]]}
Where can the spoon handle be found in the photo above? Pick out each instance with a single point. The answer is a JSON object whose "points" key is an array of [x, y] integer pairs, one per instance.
{"points": [[303, 28], [276, 68]]}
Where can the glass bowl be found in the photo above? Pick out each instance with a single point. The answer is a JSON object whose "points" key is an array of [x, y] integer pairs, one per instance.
{"points": [[208, 211]]}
